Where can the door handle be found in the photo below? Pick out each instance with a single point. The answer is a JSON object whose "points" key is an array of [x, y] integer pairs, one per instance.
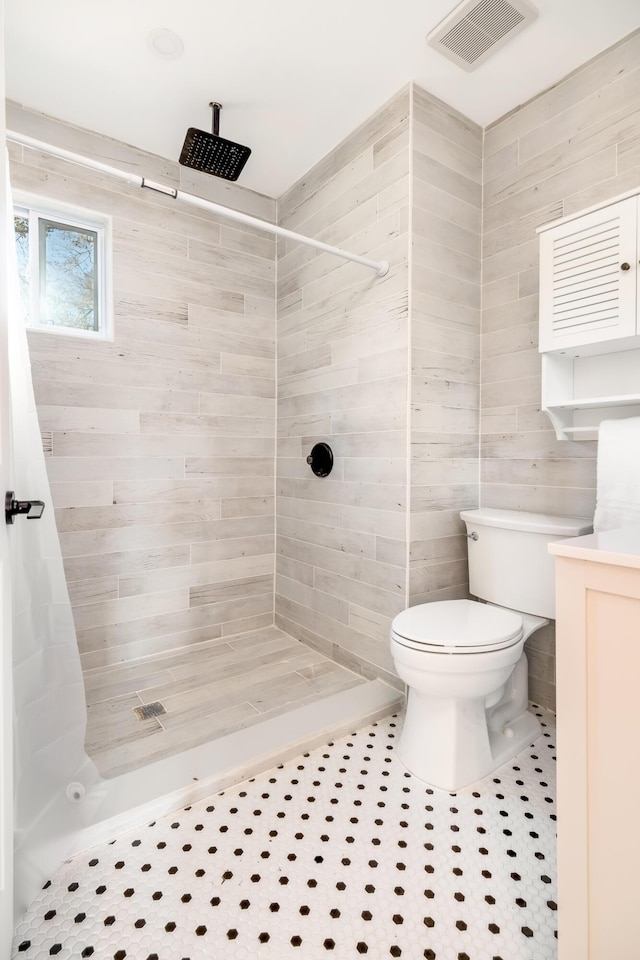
{"points": [[32, 509]]}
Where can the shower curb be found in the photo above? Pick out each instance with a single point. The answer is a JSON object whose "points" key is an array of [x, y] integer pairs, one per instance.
{"points": [[113, 806]]}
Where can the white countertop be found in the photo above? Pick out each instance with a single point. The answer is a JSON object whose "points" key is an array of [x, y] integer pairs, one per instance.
{"points": [[618, 547]]}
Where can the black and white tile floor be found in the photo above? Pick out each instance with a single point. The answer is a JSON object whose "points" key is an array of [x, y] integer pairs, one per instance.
{"points": [[340, 853]]}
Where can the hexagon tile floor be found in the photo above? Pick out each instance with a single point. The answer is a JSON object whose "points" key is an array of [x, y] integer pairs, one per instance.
{"points": [[339, 853]]}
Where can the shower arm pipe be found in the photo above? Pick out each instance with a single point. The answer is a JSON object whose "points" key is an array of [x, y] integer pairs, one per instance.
{"points": [[381, 267]]}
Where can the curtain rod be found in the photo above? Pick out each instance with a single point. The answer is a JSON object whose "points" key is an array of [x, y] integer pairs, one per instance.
{"points": [[381, 267]]}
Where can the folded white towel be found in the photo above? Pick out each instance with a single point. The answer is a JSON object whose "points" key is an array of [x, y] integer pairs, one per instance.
{"points": [[618, 479]]}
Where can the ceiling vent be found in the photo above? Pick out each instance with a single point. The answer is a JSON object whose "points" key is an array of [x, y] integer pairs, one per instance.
{"points": [[475, 30]]}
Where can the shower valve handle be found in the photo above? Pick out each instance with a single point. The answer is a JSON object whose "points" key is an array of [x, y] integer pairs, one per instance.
{"points": [[32, 509]]}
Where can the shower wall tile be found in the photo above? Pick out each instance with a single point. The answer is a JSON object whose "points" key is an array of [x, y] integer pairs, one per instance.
{"points": [[92, 591], [559, 153], [106, 637], [107, 612], [162, 460], [157, 369], [59, 393], [116, 516], [171, 532], [82, 494], [342, 379], [195, 575], [227, 549], [350, 367], [230, 195], [86, 142], [79, 420], [337, 164], [445, 344], [130, 562]]}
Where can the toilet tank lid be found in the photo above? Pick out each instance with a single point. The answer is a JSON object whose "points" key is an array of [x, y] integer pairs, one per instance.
{"points": [[529, 522]]}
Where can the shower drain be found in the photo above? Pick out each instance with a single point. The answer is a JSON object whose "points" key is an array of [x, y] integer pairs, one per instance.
{"points": [[155, 709]]}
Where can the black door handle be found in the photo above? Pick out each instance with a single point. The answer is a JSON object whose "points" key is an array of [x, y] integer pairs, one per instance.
{"points": [[32, 509]]}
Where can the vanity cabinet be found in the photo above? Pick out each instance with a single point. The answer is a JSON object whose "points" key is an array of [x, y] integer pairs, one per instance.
{"points": [[590, 318], [598, 715]]}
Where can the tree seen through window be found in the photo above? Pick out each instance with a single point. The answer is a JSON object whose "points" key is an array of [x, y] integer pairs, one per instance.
{"points": [[58, 264], [68, 276]]}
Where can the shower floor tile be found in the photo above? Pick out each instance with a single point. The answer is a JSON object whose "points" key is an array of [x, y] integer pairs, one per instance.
{"points": [[200, 695], [338, 853]]}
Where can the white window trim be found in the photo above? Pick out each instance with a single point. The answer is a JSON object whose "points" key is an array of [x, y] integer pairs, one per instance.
{"points": [[100, 223]]}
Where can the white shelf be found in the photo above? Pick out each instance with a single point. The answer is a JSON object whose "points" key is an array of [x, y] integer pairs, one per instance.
{"points": [[587, 429], [587, 403], [579, 392]]}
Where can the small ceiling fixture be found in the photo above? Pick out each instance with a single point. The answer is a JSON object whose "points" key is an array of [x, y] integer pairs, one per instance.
{"points": [[477, 28], [165, 43]]}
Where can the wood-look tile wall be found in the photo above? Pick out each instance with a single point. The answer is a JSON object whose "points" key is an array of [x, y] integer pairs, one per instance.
{"points": [[343, 378], [445, 344], [575, 145], [161, 442]]}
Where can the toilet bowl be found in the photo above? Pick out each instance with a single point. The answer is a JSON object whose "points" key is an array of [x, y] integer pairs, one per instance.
{"points": [[463, 661]]}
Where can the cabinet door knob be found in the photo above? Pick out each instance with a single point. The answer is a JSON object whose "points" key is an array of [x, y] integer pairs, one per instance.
{"points": [[625, 266]]}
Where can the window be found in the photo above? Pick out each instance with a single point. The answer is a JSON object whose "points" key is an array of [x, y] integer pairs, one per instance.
{"points": [[62, 262]]}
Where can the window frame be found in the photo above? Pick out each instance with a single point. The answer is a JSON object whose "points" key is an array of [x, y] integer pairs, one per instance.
{"points": [[36, 208]]}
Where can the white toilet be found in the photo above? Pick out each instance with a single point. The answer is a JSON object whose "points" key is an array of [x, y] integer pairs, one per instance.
{"points": [[464, 661]]}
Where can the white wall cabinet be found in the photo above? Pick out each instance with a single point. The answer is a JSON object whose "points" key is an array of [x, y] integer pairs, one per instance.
{"points": [[598, 710], [588, 278], [589, 318]]}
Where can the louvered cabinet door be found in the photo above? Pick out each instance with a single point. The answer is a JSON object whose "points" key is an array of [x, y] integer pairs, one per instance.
{"points": [[588, 277]]}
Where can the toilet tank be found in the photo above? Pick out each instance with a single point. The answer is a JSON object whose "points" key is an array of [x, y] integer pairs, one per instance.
{"points": [[509, 563]]}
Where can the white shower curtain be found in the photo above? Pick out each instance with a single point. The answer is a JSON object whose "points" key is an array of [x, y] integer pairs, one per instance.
{"points": [[49, 699]]}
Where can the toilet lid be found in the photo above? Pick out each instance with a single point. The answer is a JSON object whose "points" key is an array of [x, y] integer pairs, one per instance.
{"points": [[461, 626]]}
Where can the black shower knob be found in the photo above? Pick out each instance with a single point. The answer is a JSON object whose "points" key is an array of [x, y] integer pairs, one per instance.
{"points": [[321, 459]]}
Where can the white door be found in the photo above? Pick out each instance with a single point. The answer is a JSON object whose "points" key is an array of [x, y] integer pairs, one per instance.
{"points": [[6, 704], [6, 673]]}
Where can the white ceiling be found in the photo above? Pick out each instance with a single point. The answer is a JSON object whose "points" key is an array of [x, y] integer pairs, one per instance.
{"points": [[294, 76]]}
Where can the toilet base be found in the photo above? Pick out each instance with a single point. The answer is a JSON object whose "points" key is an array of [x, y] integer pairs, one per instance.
{"points": [[448, 744], [513, 738]]}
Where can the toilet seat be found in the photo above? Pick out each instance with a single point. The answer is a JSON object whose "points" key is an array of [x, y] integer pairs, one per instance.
{"points": [[457, 627]]}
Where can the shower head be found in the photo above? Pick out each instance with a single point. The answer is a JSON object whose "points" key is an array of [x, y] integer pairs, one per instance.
{"points": [[212, 154]]}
